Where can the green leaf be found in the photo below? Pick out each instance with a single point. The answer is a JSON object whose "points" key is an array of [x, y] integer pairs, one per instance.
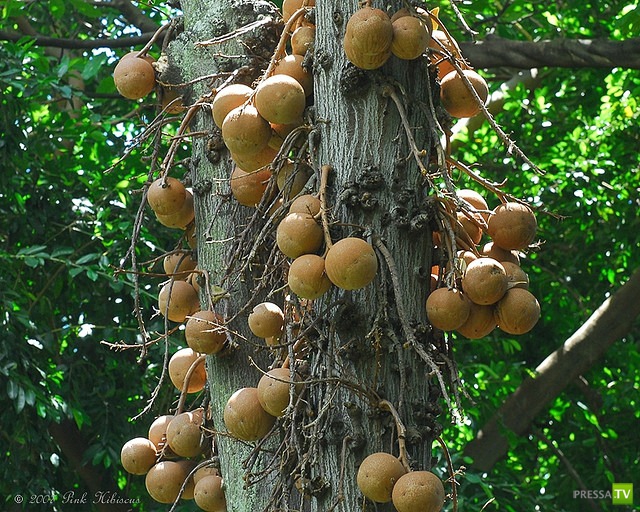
{"points": [[93, 65]]}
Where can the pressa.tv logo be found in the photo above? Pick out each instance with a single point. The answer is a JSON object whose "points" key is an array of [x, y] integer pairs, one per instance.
{"points": [[620, 494]]}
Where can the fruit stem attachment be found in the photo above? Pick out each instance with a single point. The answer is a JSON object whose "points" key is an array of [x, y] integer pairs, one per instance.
{"points": [[402, 432], [324, 180], [454, 490], [185, 385], [153, 39]]}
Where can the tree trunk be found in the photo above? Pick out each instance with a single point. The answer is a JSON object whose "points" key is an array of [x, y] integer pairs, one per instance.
{"points": [[359, 347]]}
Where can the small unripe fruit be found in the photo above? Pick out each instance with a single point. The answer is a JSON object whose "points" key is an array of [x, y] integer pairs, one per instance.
{"points": [[377, 476], [245, 418], [351, 263], [418, 491], [138, 456], [266, 320]]}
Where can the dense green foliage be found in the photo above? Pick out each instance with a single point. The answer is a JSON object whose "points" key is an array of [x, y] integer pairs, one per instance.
{"points": [[66, 223]]}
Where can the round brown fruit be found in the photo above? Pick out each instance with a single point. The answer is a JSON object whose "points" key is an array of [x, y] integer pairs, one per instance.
{"points": [[182, 218], [485, 281], [298, 234], [475, 200], [410, 37], [164, 480], [512, 226], [138, 455], [457, 99], [260, 161], [444, 66], [480, 323], [134, 76], [377, 476], [179, 365], [518, 311], [447, 308], [245, 418], [249, 187], [517, 277], [351, 263], [466, 256], [302, 39], [266, 320], [158, 431], [496, 252], [292, 65], [289, 7], [292, 178], [274, 391], [307, 277], [166, 196], [179, 265], [418, 491], [279, 133], [244, 131], [228, 98], [208, 494], [306, 203], [280, 99], [470, 227], [205, 471], [184, 435], [187, 467], [177, 300], [368, 38], [205, 332]]}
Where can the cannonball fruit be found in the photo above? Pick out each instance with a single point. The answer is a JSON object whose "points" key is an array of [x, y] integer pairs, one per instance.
{"points": [[512, 226], [368, 38], [228, 98], [179, 365], [280, 99], [418, 491], [261, 160], [480, 322], [410, 37], [516, 277], [158, 430], [245, 418], [208, 494], [134, 77], [351, 263], [307, 277], [475, 200], [182, 218], [248, 187], [377, 476], [470, 226], [184, 436], [177, 300], [205, 471], [164, 480], [302, 39], [289, 7], [456, 97], [292, 178], [517, 312], [496, 252], [274, 391], [138, 455], [447, 308], [441, 44], [298, 234], [245, 131], [305, 204], [292, 65], [485, 281], [266, 320], [205, 333], [179, 265], [166, 195]]}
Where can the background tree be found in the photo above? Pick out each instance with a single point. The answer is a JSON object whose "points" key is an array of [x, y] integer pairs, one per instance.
{"points": [[592, 179]]}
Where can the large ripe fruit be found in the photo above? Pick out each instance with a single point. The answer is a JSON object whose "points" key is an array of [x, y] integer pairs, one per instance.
{"points": [[249, 187], [307, 277], [418, 491], [228, 98], [298, 234], [289, 7], [182, 218], [496, 252], [447, 308], [245, 418], [205, 333], [480, 323], [184, 435], [208, 494], [485, 281], [134, 77], [266, 320], [177, 300], [244, 131], [351, 263], [516, 277], [410, 37], [455, 96], [377, 476], [166, 196], [306, 203], [280, 99], [179, 365], [302, 39], [274, 391], [158, 430], [164, 480], [368, 38], [138, 455], [518, 311], [512, 226], [292, 65], [179, 264]]}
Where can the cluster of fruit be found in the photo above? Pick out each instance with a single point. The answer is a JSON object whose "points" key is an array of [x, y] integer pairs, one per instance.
{"points": [[383, 478], [493, 289]]}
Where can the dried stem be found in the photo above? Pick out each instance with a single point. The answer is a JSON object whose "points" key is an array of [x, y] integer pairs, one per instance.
{"points": [[402, 432], [452, 474]]}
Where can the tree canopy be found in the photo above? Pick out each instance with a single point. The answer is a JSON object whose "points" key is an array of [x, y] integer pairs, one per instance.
{"points": [[69, 200]]}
